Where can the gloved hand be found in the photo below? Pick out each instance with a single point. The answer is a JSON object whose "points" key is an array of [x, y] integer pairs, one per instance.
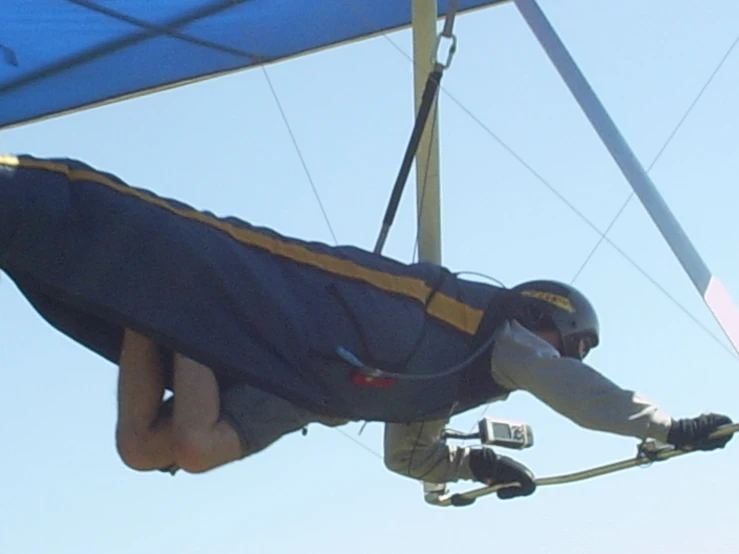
{"points": [[692, 434], [489, 468]]}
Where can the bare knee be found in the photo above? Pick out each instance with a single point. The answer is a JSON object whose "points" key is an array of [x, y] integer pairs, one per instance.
{"points": [[193, 450], [133, 451], [199, 449]]}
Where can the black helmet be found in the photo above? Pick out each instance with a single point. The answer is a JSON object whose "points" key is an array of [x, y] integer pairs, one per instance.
{"points": [[551, 305]]}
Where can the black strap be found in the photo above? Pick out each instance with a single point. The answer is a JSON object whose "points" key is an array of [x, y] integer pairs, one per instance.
{"points": [[427, 101], [476, 382], [496, 312]]}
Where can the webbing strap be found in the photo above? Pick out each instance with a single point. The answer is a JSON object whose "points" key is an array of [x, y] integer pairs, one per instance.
{"points": [[427, 101]]}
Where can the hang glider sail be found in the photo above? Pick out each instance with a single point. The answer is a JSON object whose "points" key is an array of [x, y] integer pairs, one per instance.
{"points": [[61, 56]]}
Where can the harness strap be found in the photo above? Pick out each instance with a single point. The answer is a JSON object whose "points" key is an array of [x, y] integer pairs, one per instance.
{"points": [[427, 101]]}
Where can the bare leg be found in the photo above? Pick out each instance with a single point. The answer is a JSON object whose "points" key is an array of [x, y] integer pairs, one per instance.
{"points": [[143, 438], [201, 440], [193, 438]]}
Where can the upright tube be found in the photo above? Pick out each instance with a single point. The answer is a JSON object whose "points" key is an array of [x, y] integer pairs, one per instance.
{"points": [[427, 158]]}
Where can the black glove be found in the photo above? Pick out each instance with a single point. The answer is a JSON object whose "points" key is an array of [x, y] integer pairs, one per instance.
{"points": [[692, 434], [491, 469]]}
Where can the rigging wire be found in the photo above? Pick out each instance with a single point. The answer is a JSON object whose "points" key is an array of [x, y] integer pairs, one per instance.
{"points": [[299, 152], [659, 154], [359, 442], [290, 131]]}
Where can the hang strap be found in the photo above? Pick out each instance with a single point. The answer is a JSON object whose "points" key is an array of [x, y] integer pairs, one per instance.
{"points": [[430, 94]]}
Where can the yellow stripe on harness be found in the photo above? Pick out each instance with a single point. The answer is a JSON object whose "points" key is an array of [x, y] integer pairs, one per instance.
{"points": [[443, 307]]}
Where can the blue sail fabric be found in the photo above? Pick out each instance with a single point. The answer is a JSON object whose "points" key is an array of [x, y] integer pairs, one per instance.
{"points": [[94, 256], [59, 56]]}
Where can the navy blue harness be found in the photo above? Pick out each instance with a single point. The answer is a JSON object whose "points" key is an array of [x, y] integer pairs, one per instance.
{"points": [[95, 255]]}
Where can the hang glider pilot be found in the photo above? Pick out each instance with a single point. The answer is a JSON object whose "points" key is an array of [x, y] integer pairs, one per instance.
{"points": [[153, 285], [540, 351]]}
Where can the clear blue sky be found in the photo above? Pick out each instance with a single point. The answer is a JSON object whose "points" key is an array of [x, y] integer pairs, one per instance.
{"points": [[222, 145]]}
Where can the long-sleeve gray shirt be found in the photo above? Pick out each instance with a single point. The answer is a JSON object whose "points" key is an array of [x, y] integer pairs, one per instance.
{"points": [[523, 361]]}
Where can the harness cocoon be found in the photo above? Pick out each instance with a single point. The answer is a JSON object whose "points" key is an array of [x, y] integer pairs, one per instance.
{"points": [[94, 255]]}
